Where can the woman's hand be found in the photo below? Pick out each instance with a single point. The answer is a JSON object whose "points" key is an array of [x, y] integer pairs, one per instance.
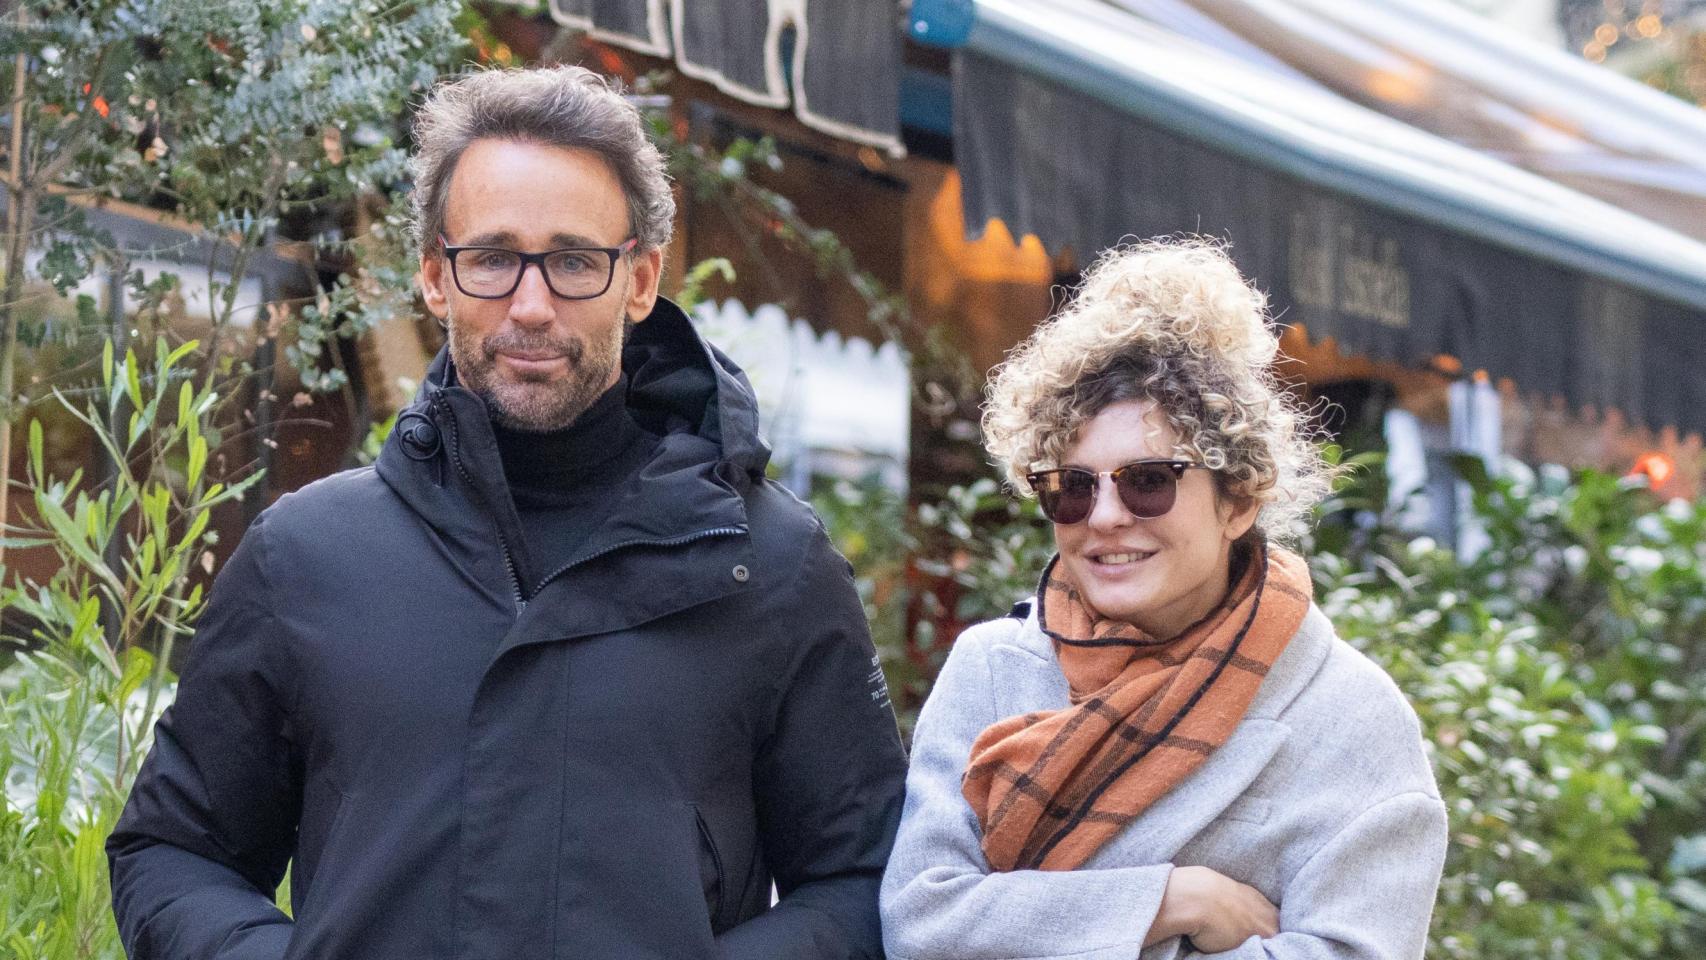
{"points": [[1214, 910]]}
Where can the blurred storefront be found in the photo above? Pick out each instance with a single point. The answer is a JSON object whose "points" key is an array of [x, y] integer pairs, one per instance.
{"points": [[1476, 250]]}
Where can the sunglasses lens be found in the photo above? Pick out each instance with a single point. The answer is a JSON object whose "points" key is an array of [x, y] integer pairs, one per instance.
{"points": [[1065, 495], [1147, 489]]}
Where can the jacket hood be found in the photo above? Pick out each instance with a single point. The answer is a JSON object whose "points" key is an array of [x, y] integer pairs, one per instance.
{"points": [[677, 382], [442, 459]]}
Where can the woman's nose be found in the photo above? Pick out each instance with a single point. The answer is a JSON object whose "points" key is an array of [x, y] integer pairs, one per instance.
{"points": [[1108, 513]]}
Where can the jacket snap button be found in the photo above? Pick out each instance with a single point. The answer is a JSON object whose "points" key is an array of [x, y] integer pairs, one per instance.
{"points": [[741, 573], [419, 435]]}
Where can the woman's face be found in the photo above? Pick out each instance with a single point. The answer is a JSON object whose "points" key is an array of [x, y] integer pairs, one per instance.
{"points": [[1159, 574]]}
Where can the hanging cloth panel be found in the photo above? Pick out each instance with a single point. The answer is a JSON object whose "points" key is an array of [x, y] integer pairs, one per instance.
{"points": [[846, 60], [847, 70], [734, 44], [636, 24]]}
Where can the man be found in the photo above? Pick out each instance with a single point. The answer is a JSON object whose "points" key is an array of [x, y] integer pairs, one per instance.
{"points": [[562, 675]]}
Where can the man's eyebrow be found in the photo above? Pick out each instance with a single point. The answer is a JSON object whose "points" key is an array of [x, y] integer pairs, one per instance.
{"points": [[495, 238], [573, 240], [504, 238]]}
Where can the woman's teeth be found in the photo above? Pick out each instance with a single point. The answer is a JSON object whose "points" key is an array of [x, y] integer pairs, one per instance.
{"points": [[1116, 558]]}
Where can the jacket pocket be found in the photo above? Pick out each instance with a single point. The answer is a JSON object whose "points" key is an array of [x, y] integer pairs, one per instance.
{"points": [[629, 884], [712, 877]]}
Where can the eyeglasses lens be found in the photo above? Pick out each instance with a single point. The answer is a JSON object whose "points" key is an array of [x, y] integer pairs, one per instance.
{"points": [[576, 273], [1066, 496], [1147, 489], [487, 271]]}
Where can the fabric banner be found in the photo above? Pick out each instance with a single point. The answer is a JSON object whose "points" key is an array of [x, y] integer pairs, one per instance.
{"points": [[635, 24], [845, 57]]}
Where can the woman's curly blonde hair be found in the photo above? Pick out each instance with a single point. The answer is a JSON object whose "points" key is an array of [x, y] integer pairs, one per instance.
{"points": [[1171, 321]]}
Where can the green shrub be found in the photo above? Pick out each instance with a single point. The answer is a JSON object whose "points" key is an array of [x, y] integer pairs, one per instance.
{"points": [[78, 704]]}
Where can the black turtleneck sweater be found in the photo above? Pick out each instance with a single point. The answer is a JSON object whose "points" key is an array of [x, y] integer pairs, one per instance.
{"points": [[563, 481]]}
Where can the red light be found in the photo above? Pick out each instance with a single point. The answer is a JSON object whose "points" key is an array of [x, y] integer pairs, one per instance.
{"points": [[1657, 467]]}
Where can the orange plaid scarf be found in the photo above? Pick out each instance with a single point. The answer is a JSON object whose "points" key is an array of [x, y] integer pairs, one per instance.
{"points": [[1050, 788]]}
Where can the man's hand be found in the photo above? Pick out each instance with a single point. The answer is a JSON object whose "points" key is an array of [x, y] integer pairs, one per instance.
{"points": [[1216, 912]]}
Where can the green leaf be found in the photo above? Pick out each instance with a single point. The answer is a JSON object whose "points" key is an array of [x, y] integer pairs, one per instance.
{"points": [[186, 395], [132, 379], [25, 543], [107, 363], [138, 667], [197, 462], [1473, 471], [37, 472], [145, 558], [692, 286], [218, 494], [184, 350], [198, 526], [94, 638], [67, 532]]}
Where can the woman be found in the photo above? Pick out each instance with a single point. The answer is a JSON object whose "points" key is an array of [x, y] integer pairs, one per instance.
{"points": [[1171, 754]]}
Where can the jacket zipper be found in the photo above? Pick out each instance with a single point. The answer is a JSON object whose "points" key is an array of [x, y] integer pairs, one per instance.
{"points": [[671, 542], [503, 545]]}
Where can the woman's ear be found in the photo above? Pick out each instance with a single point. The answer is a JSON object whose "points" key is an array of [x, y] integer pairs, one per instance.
{"points": [[1237, 516]]}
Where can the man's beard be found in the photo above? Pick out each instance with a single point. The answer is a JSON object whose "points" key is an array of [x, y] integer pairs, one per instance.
{"points": [[537, 404]]}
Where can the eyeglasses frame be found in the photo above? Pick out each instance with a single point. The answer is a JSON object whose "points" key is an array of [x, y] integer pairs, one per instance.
{"points": [[537, 260], [1178, 466]]}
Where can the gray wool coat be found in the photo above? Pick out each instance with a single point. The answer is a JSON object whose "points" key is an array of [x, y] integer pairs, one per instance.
{"points": [[1322, 799]]}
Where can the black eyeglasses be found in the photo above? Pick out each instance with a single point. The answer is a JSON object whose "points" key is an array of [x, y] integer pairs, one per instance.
{"points": [[1147, 488], [571, 273]]}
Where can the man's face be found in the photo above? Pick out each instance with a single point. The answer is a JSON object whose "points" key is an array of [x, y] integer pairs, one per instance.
{"points": [[538, 360]]}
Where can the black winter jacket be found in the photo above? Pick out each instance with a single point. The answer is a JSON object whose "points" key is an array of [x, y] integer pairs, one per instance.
{"points": [[618, 766]]}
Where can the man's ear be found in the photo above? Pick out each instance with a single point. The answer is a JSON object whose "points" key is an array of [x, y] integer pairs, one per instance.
{"points": [[643, 292], [434, 280]]}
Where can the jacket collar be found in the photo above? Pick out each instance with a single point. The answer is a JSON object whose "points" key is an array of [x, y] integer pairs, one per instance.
{"points": [[442, 458]]}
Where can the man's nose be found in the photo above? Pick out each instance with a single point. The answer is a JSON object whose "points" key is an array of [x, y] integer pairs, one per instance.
{"points": [[532, 303]]}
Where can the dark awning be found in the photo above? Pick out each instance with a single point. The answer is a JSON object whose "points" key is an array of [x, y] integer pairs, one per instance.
{"points": [[1083, 125], [846, 56]]}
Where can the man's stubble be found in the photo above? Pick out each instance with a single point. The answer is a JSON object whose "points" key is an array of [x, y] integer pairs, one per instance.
{"points": [[538, 405]]}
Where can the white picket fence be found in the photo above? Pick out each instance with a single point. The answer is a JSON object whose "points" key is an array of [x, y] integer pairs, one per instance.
{"points": [[828, 406]]}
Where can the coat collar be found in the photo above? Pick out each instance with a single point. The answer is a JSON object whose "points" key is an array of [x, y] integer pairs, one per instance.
{"points": [[1289, 675], [442, 459]]}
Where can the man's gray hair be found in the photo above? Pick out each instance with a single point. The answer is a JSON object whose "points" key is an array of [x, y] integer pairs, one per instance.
{"points": [[560, 106]]}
